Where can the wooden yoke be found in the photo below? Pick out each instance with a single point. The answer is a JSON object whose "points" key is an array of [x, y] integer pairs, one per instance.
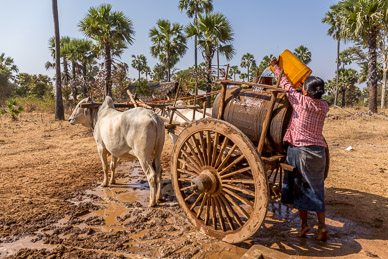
{"points": [[223, 94], [268, 116]]}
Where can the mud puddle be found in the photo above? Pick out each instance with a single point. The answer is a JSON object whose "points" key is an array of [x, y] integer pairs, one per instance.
{"points": [[116, 222]]}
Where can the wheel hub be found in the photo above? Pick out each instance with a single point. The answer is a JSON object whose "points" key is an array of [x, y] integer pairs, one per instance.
{"points": [[206, 181]]}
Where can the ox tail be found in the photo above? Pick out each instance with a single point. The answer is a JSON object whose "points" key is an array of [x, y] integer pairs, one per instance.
{"points": [[159, 140]]}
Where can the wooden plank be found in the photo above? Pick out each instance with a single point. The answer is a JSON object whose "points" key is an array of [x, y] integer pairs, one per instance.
{"points": [[266, 87]]}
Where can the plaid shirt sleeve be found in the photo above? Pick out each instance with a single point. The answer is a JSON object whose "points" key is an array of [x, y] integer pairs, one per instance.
{"points": [[307, 119]]}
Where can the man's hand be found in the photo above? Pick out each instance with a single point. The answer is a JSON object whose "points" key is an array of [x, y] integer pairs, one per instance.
{"points": [[274, 61]]}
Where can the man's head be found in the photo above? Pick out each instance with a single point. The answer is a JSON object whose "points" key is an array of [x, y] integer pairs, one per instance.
{"points": [[314, 87]]}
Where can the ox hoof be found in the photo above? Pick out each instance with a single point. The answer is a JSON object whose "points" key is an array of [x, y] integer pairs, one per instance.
{"points": [[112, 182], [104, 185], [151, 205]]}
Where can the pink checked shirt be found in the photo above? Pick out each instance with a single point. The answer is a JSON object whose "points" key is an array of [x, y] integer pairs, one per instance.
{"points": [[307, 119]]}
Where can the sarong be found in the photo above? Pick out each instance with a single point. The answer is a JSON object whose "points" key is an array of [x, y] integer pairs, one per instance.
{"points": [[305, 186]]}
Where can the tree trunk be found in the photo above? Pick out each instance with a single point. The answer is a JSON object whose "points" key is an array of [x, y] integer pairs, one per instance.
{"points": [[372, 72], [168, 68], [248, 73], [59, 112], [139, 75], [343, 101], [209, 81], [195, 56], [65, 71], [384, 86], [84, 88], [108, 67], [73, 86], [338, 64], [218, 63]]}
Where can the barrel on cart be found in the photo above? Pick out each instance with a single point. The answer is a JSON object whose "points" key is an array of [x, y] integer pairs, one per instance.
{"points": [[226, 168]]}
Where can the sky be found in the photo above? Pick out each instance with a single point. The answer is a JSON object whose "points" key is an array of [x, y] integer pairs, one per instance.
{"points": [[260, 28]]}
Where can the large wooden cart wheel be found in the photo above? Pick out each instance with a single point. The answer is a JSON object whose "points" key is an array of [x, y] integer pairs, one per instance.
{"points": [[219, 180]]}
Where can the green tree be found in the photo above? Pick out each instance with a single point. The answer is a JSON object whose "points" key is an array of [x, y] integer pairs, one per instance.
{"points": [[247, 61], [333, 18], [139, 63], [362, 21], [13, 108], [7, 70], [112, 30], [59, 111], [33, 85], [212, 30], [159, 73], [193, 8], [303, 53], [233, 71], [169, 43], [347, 80]]}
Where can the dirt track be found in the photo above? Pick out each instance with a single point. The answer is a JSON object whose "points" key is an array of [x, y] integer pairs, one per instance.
{"points": [[52, 204]]}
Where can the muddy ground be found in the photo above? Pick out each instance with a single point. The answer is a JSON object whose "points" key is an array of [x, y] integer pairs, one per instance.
{"points": [[52, 205]]}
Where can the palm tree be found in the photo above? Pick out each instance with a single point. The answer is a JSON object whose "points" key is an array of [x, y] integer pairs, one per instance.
{"points": [[333, 18], [233, 71], [169, 43], [109, 29], [348, 78], [64, 50], [212, 30], [139, 63], [59, 112], [247, 61], [193, 8], [303, 53], [362, 21], [86, 55]]}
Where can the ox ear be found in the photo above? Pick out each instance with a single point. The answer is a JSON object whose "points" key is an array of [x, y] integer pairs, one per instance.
{"points": [[89, 99]]}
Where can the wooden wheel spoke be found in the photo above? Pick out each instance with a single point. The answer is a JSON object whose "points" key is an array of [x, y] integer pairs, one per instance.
{"points": [[222, 149], [196, 201], [214, 213], [239, 208], [207, 210], [184, 162], [189, 197], [192, 151], [202, 141], [235, 216], [242, 199], [245, 191], [202, 205], [194, 163], [201, 157], [184, 179], [185, 188], [225, 211], [227, 157], [242, 170], [247, 181], [237, 160], [216, 139], [195, 174], [209, 147], [219, 211]]}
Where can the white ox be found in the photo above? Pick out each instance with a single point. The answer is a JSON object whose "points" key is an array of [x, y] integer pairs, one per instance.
{"points": [[136, 133]]}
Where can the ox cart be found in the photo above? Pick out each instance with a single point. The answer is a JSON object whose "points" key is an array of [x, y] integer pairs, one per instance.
{"points": [[226, 167]]}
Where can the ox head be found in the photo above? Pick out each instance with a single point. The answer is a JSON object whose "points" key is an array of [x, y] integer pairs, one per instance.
{"points": [[81, 115]]}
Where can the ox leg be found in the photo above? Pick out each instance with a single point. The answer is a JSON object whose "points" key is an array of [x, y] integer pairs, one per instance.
{"points": [[113, 164], [158, 170], [103, 156], [151, 177]]}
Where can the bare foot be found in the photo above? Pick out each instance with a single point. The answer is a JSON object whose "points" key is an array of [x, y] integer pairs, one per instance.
{"points": [[322, 234], [304, 230]]}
